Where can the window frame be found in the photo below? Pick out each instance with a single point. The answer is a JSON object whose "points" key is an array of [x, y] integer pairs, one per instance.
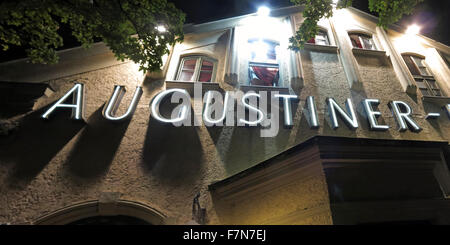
{"points": [[197, 69], [360, 35], [425, 78], [325, 31], [264, 64]]}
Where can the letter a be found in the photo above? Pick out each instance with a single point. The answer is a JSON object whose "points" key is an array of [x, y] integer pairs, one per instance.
{"points": [[77, 93]]}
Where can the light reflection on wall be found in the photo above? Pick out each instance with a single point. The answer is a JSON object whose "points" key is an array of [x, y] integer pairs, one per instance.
{"points": [[263, 27]]}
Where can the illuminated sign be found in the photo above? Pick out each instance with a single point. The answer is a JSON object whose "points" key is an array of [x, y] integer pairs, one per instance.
{"points": [[350, 120], [214, 103], [77, 106], [182, 113], [207, 110], [403, 119], [372, 115], [113, 104]]}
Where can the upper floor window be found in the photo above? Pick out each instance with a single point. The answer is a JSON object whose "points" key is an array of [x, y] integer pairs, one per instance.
{"points": [[196, 68], [424, 79], [263, 67], [321, 38], [362, 41]]}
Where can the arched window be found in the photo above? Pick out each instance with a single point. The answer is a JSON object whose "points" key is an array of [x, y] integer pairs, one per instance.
{"points": [[321, 38], [197, 69], [362, 41], [90, 212], [263, 67], [423, 77]]}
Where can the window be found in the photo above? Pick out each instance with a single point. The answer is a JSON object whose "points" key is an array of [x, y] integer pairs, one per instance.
{"points": [[263, 68], [424, 79], [321, 38], [196, 68], [362, 41]]}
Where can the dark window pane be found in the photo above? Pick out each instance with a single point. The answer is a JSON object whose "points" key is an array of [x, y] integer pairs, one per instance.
{"points": [[205, 76], [424, 71], [418, 61], [189, 64], [322, 38], [355, 41], [190, 71], [411, 66], [367, 42], [186, 76], [433, 84], [207, 66], [420, 83], [425, 91], [437, 92], [362, 41]]}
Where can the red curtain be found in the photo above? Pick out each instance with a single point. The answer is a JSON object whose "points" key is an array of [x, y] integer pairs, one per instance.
{"points": [[265, 74], [355, 41]]}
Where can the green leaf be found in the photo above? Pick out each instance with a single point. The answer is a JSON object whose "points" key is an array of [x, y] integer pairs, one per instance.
{"points": [[33, 24], [389, 11]]}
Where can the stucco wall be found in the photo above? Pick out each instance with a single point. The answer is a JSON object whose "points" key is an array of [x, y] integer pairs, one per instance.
{"points": [[291, 191], [47, 165]]}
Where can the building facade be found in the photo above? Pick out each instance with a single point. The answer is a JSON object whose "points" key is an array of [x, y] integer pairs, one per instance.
{"points": [[365, 139]]}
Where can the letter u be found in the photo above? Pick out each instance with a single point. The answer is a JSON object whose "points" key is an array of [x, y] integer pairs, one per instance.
{"points": [[113, 103]]}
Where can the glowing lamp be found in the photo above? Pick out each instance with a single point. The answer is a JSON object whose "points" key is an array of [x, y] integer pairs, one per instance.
{"points": [[413, 29], [263, 11]]}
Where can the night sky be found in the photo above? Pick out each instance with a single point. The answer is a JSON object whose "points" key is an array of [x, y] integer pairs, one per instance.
{"points": [[431, 15]]}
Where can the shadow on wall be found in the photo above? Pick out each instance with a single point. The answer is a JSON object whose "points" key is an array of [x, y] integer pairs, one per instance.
{"points": [[381, 82], [152, 85], [172, 154], [96, 147], [301, 129], [36, 142], [247, 147], [437, 123], [324, 76]]}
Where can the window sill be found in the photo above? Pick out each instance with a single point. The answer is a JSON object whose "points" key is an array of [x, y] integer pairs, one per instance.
{"points": [[255, 88], [360, 51], [437, 100], [189, 86], [321, 48]]}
